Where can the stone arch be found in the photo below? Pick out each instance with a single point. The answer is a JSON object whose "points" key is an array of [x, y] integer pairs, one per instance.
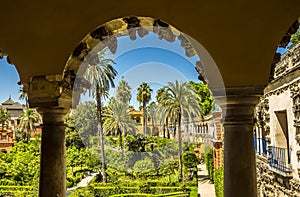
{"points": [[283, 43], [4, 53], [105, 36]]}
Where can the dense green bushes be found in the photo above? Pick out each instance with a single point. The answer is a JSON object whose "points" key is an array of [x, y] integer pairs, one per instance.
{"points": [[148, 167], [19, 191], [20, 166], [219, 182], [215, 175], [174, 194], [141, 190], [209, 162]]}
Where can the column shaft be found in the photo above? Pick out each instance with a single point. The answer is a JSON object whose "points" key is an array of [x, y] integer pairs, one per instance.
{"points": [[52, 166], [239, 154]]}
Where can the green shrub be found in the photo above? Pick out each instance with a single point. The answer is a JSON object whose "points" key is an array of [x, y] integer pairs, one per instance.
{"points": [[69, 183], [190, 160], [143, 166], [174, 194], [209, 162], [219, 182], [83, 192], [19, 191]]}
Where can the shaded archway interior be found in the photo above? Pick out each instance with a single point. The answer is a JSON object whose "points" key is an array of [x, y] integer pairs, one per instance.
{"points": [[240, 36]]}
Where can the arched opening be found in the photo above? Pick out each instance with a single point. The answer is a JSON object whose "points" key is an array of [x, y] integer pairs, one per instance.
{"points": [[129, 30]]}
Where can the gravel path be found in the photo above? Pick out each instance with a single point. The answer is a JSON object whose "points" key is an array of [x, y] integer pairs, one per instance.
{"points": [[205, 188]]}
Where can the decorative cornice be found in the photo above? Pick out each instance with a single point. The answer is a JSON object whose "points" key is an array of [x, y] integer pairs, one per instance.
{"points": [[288, 62], [281, 89]]}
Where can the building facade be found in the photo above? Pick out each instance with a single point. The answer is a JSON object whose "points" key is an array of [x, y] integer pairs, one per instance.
{"points": [[7, 138], [15, 109], [277, 130], [8, 132]]}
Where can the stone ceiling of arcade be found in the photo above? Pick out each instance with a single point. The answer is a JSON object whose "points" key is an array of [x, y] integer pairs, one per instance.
{"points": [[241, 36]]}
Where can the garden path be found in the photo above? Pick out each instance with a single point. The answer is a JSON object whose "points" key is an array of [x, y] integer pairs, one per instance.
{"points": [[205, 188], [83, 183]]}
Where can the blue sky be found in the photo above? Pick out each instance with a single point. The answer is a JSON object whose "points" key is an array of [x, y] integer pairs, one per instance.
{"points": [[8, 80], [153, 61]]}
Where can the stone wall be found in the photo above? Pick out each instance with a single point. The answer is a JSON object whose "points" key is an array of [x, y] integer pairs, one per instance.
{"points": [[278, 122], [271, 184]]}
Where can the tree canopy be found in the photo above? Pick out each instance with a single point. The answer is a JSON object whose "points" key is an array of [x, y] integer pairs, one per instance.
{"points": [[295, 38], [206, 102]]}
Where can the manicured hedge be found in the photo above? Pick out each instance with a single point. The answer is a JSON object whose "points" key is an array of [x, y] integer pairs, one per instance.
{"points": [[105, 191], [153, 195], [131, 191], [219, 182], [16, 188], [209, 162], [19, 191], [8, 193]]}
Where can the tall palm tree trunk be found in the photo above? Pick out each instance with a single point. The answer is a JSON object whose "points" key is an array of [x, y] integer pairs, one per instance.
{"points": [[164, 130], [100, 133], [152, 127], [180, 144], [28, 133], [120, 137], [167, 126], [145, 117]]}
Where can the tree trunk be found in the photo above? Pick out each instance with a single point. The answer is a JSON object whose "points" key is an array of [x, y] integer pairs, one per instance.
{"points": [[120, 138], [152, 127], [167, 126], [164, 130], [145, 117], [180, 144], [175, 130], [100, 133]]}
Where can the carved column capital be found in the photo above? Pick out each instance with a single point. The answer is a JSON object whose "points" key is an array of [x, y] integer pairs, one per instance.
{"points": [[238, 104], [48, 91]]}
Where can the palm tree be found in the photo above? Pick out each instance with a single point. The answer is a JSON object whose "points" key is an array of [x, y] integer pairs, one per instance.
{"points": [[27, 122], [4, 116], [152, 112], [23, 96], [162, 114], [123, 91], [116, 118], [100, 73], [181, 99], [144, 96]]}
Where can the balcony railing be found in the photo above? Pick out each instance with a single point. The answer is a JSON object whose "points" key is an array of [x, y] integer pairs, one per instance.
{"points": [[279, 159], [260, 146]]}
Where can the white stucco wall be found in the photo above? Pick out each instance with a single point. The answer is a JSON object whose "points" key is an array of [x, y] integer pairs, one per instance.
{"points": [[279, 102]]}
